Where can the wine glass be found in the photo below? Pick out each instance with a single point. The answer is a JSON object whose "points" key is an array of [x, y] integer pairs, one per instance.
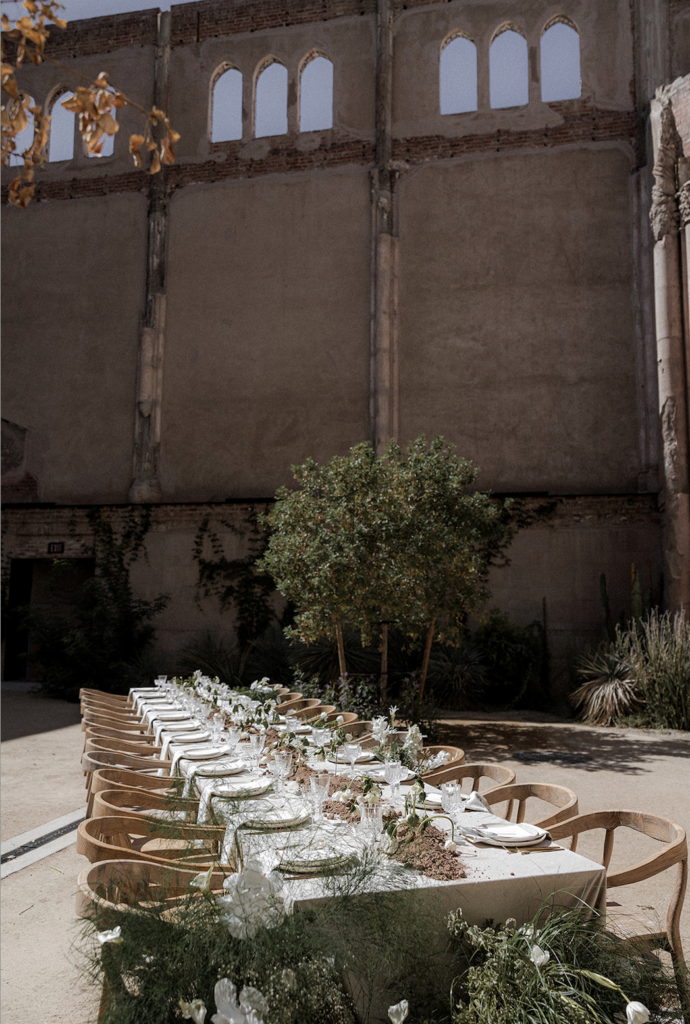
{"points": [[232, 738], [371, 820], [284, 766], [320, 736], [451, 797], [393, 773], [256, 746], [352, 752], [319, 785]]}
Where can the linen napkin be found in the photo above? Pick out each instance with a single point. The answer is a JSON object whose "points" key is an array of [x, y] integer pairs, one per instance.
{"points": [[476, 802]]}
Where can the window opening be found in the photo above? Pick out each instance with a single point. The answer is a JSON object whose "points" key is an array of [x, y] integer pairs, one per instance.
{"points": [[560, 63], [316, 95], [61, 144], [24, 138], [108, 147], [226, 117], [270, 116], [458, 76], [509, 70]]}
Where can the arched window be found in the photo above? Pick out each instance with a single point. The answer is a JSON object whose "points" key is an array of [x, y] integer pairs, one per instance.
{"points": [[316, 95], [108, 141], [24, 138], [61, 141], [270, 105], [560, 63], [226, 111], [509, 70], [458, 76]]}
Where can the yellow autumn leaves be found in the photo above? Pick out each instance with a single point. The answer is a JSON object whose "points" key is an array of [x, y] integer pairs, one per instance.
{"points": [[94, 103]]}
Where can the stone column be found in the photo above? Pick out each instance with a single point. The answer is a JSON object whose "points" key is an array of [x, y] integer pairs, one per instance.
{"points": [[383, 394], [670, 356], [147, 416]]}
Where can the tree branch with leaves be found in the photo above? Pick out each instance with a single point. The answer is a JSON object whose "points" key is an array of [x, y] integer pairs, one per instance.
{"points": [[94, 102]]}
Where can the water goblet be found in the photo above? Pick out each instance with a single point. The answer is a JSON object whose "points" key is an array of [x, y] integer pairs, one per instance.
{"points": [[451, 798], [371, 820], [292, 723], [284, 765], [352, 752], [256, 746], [273, 766], [393, 773], [319, 785], [320, 736]]}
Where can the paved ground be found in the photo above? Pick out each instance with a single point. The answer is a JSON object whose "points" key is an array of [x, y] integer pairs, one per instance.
{"points": [[42, 780]]}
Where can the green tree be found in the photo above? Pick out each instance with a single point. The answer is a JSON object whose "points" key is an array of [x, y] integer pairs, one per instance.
{"points": [[378, 540]]}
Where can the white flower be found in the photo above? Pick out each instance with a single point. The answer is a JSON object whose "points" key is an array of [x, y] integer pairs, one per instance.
{"points": [[114, 936], [289, 979], [391, 712], [248, 1010], [380, 729], [203, 881], [251, 901], [348, 737], [195, 1010], [413, 742], [539, 956], [388, 843], [339, 720], [324, 714], [450, 845], [637, 1013], [399, 1012], [342, 796]]}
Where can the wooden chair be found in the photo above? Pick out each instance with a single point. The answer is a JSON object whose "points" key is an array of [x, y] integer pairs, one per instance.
{"points": [[456, 757], [127, 837], [675, 851], [112, 721], [92, 760], [109, 698], [144, 803], [290, 696], [293, 706], [499, 775], [349, 718], [559, 796], [314, 713], [109, 743], [101, 733], [127, 779], [309, 707], [117, 885], [116, 707]]}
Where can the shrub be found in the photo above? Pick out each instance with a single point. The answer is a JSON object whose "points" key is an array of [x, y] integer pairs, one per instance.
{"points": [[643, 675], [514, 659]]}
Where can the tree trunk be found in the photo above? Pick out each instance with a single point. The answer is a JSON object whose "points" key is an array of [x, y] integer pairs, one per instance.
{"points": [[341, 648], [384, 661], [427, 655]]}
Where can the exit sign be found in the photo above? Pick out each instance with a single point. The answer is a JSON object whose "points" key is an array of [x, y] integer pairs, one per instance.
{"points": [[56, 547]]}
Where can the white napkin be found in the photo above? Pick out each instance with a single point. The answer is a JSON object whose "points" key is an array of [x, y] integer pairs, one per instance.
{"points": [[195, 736], [476, 802], [160, 727]]}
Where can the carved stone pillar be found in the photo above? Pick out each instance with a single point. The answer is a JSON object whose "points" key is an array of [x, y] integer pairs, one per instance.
{"points": [[671, 372], [383, 394], [147, 416]]}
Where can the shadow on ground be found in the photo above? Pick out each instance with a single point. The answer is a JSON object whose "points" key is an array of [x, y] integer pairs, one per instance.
{"points": [[25, 714], [609, 749]]}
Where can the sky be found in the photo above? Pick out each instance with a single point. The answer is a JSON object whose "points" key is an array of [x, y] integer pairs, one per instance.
{"points": [[75, 9]]}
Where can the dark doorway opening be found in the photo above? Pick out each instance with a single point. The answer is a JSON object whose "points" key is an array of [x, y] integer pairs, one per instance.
{"points": [[32, 586]]}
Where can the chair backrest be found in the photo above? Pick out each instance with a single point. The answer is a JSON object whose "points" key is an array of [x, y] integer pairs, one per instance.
{"points": [[291, 695], [314, 713], [499, 775], [143, 803], [559, 796], [455, 754], [348, 717], [97, 703], [109, 743], [126, 778], [307, 709], [113, 721], [129, 736], [117, 885], [127, 837], [103, 695]]}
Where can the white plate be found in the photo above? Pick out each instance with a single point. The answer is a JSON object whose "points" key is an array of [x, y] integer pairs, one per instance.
{"points": [[202, 753], [503, 834], [301, 730], [241, 788], [219, 769], [376, 772]]}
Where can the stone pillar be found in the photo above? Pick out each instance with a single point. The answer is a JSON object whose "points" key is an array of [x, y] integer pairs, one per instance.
{"points": [[671, 371], [383, 393], [147, 416]]}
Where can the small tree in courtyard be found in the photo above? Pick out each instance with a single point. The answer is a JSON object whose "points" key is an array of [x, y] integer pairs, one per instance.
{"points": [[375, 541]]}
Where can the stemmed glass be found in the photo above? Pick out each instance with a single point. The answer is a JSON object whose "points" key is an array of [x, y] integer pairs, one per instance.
{"points": [[352, 752], [280, 767], [451, 798], [319, 785], [232, 738], [393, 773], [256, 746]]}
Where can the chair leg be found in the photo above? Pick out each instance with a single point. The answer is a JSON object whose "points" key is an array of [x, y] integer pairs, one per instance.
{"points": [[682, 974]]}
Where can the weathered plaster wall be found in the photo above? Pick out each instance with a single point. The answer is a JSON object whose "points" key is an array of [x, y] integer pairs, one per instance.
{"points": [[267, 348], [516, 337], [72, 276]]}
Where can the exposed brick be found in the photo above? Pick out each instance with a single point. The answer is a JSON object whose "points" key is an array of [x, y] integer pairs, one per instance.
{"points": [[94, 36]]}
